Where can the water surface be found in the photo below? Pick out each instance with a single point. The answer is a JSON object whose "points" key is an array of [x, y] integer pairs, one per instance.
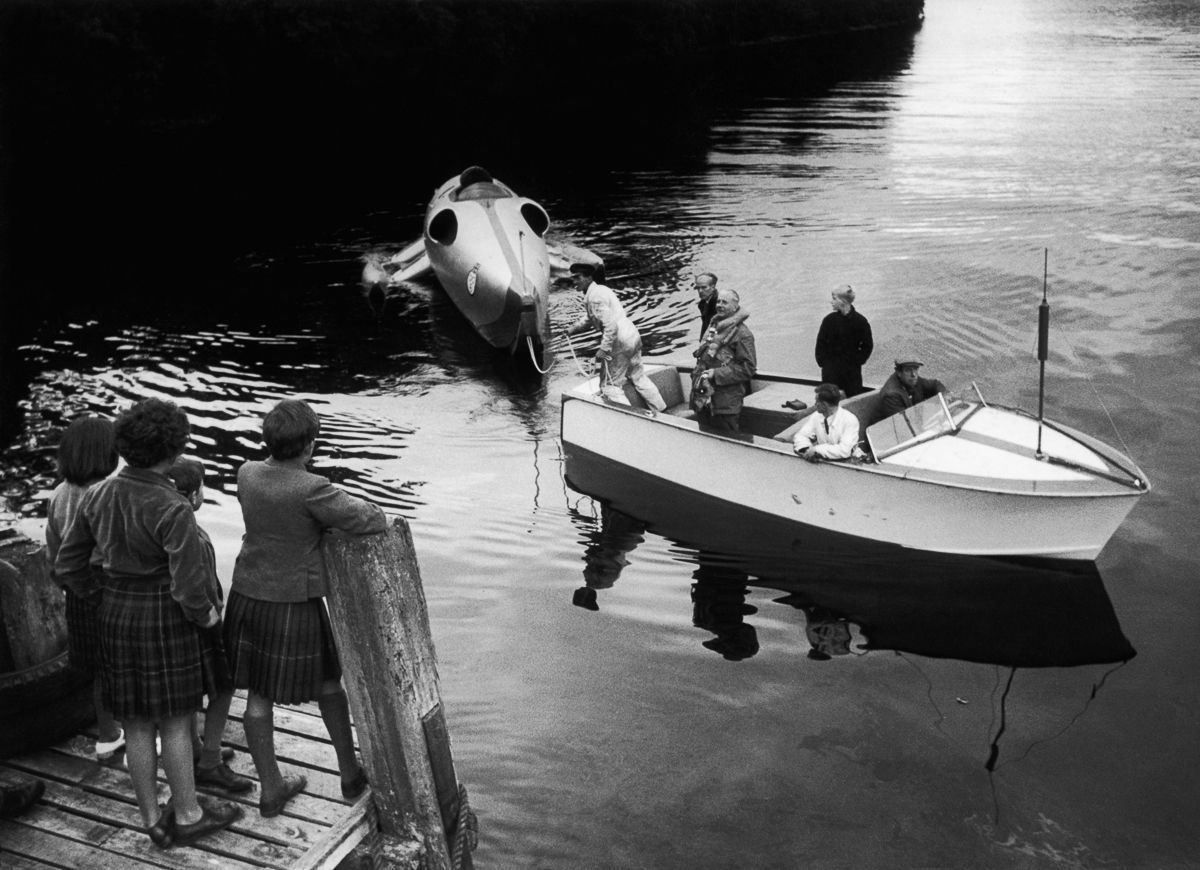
{"points": [[964, 713]]}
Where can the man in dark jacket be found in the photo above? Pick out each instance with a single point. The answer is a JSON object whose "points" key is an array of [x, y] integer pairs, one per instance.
{"points": [[706, 299], [844, 343], [906, 388], [725, 364]]}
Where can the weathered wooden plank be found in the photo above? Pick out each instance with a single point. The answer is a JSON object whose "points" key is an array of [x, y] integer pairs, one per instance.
{"points": [[20, 862], [381, 623], [316, 813], [238, 842], [291, 719], [341, 839], [58, 838], [108, 801], [291, 747]]}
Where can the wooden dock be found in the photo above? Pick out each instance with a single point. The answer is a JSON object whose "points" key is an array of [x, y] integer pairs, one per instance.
{"points": [[88, 817]]}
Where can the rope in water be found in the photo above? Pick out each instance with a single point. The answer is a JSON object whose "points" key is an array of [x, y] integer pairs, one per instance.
{"points": [[533, 355]]}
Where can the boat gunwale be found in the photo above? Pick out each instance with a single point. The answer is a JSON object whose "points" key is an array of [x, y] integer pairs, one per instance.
{"points": [[1020, 487]]}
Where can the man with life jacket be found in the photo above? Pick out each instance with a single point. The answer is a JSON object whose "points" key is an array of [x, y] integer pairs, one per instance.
{"points": [[725, 365]]}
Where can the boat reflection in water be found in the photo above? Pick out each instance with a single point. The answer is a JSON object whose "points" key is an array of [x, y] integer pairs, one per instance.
{"points": [[856, 597], [936, 605]]}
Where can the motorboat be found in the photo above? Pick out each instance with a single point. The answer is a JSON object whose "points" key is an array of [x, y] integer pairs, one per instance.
{"points": [[486, 244], [949, 475]]}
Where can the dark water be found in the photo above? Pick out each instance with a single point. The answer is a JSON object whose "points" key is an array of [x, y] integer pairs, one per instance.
{"points": [[969, 714]]}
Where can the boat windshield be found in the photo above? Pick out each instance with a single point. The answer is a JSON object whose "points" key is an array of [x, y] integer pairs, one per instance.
{"points": [[939, 415]]}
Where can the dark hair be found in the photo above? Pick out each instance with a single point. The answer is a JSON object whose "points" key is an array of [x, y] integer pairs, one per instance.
{"points": [[88, 450], [188, 475], [588, 269], [289, 427], [151, 431], [829, 394]]}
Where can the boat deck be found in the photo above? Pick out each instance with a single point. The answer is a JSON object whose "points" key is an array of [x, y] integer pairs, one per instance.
{"points": [[88, 816]]}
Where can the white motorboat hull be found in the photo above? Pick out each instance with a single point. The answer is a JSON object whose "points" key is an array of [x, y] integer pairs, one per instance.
{"points": [[487, 247], [1064, 515]]}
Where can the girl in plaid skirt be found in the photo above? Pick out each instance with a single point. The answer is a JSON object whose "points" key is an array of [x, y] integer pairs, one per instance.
{"points": [[277, 630], [160, 650], [86, 455]]}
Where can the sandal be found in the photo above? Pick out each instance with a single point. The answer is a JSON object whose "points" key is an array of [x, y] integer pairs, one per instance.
{"points": [[268, 807], [215, 816]]}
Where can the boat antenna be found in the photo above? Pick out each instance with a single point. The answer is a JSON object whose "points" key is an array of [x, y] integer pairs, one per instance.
{"points": [[1043, 346]]}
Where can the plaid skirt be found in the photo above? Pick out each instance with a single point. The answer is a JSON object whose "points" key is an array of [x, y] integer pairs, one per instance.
{"points": [[155, 662], [83, 633], [283, 651]]}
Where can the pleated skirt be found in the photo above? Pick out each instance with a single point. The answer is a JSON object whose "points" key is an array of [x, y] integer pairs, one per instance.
{"points": [[83, 633], [154, 662], [283, 651]]}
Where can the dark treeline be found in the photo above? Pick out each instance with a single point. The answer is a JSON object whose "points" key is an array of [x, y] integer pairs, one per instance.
{"points": [[146, 143]]}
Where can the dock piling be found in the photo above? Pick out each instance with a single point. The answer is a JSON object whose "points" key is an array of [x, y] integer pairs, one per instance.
{"points": [[381, 624]]}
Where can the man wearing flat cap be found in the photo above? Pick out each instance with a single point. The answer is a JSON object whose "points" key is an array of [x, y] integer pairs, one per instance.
{"points": [[906, 388]]}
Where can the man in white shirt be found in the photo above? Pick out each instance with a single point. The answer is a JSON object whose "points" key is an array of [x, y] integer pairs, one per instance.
{"points": [[830, 432], [620, 342]]}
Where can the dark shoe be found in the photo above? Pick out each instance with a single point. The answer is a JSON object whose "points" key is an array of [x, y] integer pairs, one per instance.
{"points": [[16, 799], [355, 786], [223, 778], [162, 832], [795, 404], [217, 816], [268, 807]]}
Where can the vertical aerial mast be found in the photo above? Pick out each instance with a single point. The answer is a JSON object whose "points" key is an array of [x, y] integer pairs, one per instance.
{"points": [[1043, 348]]}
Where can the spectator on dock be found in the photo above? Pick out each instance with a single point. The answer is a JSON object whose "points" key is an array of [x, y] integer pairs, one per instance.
{"points": [[158, 654], [211, 767], [830, 431], [87, 454], [280, 643], [620, 351], [725, 365], [844, 343]]}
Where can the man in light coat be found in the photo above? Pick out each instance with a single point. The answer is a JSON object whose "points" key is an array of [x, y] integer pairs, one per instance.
{"points": [[830, 432], [620, 351]]}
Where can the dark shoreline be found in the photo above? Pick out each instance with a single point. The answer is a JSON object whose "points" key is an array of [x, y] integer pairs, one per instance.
{"points": [[146, 146]]}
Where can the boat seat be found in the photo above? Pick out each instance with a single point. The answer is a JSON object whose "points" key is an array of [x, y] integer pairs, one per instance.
{"points": [[670, 386], [787, 434], [864, 406], [867, 407]]}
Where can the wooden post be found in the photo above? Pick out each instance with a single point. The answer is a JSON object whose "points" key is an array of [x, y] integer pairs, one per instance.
{"points": [[380, 621]]}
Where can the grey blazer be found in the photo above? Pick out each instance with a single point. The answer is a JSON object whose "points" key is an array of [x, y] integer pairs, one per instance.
{"points": [[286, 510]]}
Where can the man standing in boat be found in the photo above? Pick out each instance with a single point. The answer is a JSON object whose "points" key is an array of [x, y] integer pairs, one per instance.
{"points": [[906, 388], [620, 351], [725, 365], [844, 343], [706, 299]]}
